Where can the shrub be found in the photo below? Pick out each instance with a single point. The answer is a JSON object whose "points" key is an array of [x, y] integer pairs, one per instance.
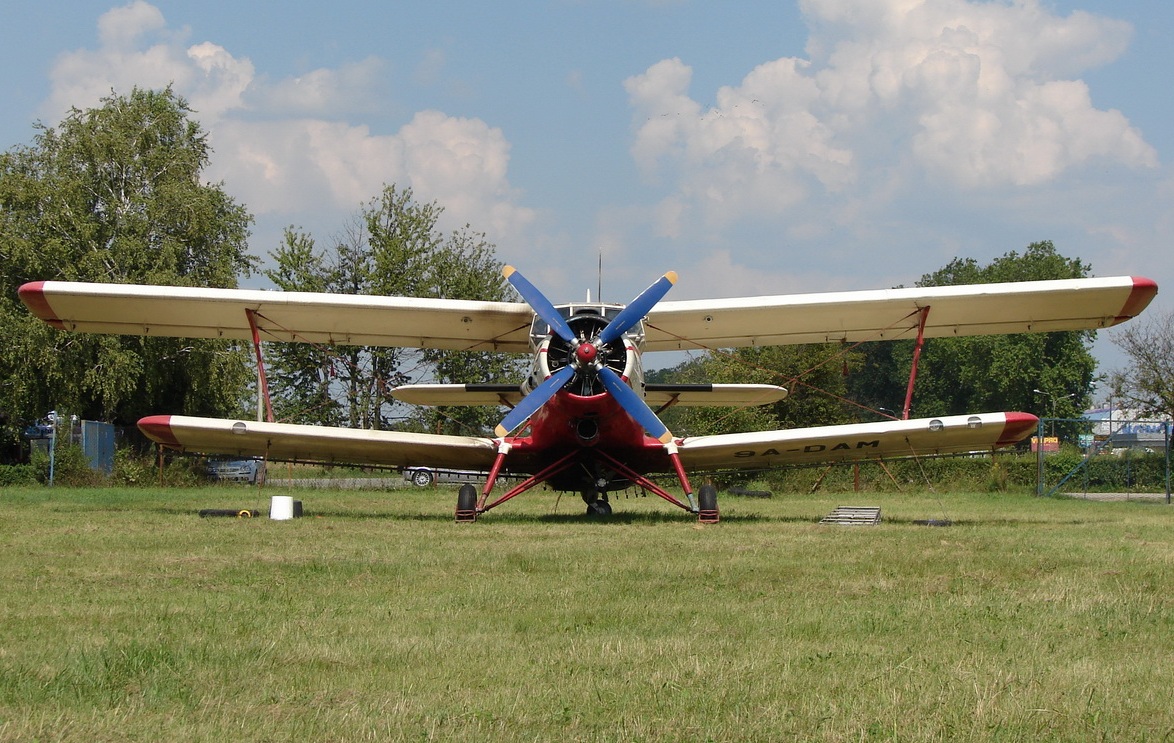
{"points": [[70, 467], [1001, 473], [17, 474], [133, 469]]}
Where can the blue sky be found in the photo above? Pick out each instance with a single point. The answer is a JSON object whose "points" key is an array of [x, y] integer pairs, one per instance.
{"points": [[754, 147]]}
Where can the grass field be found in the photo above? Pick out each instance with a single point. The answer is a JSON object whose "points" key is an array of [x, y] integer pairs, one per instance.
{"points": [[125, 616]]}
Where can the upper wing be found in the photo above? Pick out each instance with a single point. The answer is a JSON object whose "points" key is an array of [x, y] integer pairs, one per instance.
{"points": [[979, 309], [1040, 306], [319, 444], [281, 316], [654, 394], [888, 439]]}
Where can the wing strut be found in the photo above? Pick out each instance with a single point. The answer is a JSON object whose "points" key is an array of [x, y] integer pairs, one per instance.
{"points": [[262, 380], [916, 357]]}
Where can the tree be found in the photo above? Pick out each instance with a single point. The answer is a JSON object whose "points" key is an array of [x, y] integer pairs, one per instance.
{"points": [[392, 248], [1148, 384], [114, 194], [994, 372]]}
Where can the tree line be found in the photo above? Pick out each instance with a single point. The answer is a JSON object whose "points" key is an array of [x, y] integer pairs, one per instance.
{"points": [[115, 194]]}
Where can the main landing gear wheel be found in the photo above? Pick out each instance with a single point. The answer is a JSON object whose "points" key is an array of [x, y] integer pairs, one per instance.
{"points": [[707, 505], [467, 504]]}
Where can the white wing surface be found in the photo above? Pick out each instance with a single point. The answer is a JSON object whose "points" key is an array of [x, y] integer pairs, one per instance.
{"points": [[318, 444], [885, 440], [979, 309], [713, 395], [446, 395], [407, 322]]}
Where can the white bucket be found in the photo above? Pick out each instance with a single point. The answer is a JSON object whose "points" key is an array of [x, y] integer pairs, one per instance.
{"points": [[281, 507]]}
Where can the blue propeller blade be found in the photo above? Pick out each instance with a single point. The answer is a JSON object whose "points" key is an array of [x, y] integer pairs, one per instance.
{"points": [[539, 303], [638, 308], [530, 403], [634, 405]]}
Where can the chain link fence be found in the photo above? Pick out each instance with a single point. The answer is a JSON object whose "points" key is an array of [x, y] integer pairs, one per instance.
{"points": [[1102, 455]]}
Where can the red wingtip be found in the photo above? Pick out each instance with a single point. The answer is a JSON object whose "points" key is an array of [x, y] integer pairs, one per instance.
{"points": [[158, 429], [1018, 427], [33, 296], [1144, 290]]}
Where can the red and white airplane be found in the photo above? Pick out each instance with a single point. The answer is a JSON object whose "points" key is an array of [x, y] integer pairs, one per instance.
{"points": [[584, 420]]}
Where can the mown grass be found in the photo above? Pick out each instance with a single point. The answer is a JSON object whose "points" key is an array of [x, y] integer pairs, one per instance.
{"points": [[125, 616]]}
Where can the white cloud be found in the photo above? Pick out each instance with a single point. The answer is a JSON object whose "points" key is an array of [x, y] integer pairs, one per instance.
{"points": [[758, 150], [283, 146], [963, 94], [124, 58], [356, 87], [218, 82], [120, 27]]}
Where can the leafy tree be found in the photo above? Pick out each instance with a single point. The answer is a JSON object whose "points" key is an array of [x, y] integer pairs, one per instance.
{"points": [[113, 194], [392, 248], [988, 373], [1148, 384]]}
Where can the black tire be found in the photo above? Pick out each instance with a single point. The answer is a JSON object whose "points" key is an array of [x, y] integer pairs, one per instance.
{"points": [[467, 498], [599, 508], [707, 498], [422, 478]]}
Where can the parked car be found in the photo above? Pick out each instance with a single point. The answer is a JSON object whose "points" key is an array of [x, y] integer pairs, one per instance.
{"points": [[251, 471], [424, 476]]}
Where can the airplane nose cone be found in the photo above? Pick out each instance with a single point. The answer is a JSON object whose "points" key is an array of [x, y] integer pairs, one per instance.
{"points": [[586, 353]]}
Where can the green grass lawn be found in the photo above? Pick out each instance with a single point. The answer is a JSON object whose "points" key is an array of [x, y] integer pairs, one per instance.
{"points": [[125, 616]]}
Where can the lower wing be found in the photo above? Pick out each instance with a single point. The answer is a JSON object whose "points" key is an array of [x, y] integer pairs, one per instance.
{"points": [[954, 434], [755, 450], [318, 444]]}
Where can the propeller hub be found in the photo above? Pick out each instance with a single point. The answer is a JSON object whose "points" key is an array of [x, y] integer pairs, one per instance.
{"points": [[586, 353]]}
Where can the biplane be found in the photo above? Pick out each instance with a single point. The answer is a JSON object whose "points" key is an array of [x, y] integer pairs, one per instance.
{"points": [[583, 419]]}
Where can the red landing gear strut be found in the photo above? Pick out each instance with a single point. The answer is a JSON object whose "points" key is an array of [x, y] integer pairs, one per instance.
{"points": [[706, 509]]}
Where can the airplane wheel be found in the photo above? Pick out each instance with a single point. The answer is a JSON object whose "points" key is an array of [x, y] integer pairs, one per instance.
{"points": [[467, 503], [707, 504], [599, 508]]}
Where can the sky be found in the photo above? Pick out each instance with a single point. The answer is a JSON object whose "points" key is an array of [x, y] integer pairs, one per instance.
{"points": [[753, 147]]}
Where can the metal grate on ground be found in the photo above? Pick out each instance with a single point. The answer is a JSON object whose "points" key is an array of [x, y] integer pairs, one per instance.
{"points": [[853, 516]]}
